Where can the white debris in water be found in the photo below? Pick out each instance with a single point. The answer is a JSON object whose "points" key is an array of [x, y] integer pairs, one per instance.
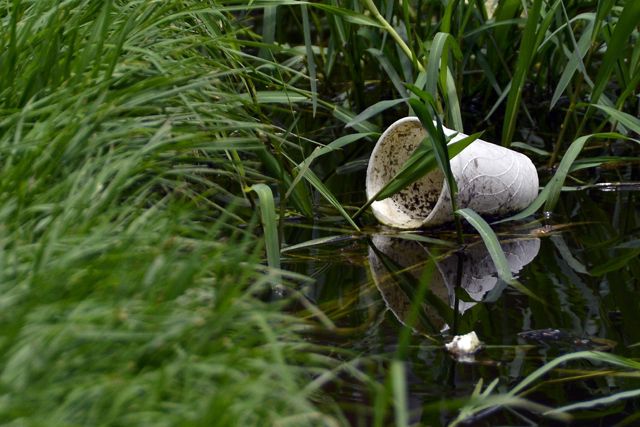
{"points": [[464, 344]]}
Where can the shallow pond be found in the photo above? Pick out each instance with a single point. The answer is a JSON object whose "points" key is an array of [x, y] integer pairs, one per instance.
{"points": [[581, 265]]}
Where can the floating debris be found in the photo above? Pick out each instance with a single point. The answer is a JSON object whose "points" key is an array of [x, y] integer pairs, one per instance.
{"points": [[464, 345]]}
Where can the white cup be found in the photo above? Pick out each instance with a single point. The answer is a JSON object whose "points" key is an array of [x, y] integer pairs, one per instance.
{"points": [[492, 180]]}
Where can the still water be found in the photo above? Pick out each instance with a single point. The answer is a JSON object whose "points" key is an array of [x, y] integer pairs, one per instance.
{"points": [[581, 272]]}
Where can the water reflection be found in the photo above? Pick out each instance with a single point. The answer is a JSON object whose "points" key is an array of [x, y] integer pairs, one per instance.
{"points": [[397, 265]]}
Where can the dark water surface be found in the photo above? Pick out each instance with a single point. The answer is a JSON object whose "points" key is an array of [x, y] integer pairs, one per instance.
{"points": [[582, 264]]}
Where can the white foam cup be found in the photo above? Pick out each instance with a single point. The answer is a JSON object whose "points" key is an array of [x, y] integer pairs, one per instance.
{"points": [[492, 180]]}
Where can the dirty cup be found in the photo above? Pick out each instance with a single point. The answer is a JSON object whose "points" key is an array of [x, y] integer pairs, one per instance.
{"points": [[492, 180]]}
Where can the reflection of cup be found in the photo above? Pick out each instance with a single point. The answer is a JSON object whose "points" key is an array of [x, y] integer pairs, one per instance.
{"points": [[479, 274], [492, 180]]}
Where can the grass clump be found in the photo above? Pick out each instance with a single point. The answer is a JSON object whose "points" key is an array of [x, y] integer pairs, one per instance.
{"points": [[140, 140], [132, 292]]}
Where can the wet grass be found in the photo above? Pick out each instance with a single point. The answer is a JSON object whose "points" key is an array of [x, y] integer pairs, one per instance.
{"points": [[159, 161]]}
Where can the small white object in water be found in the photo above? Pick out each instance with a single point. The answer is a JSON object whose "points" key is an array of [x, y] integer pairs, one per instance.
{"points": [[464, 344]]}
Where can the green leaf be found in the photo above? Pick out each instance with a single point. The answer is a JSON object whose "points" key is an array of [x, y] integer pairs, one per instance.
{"points": [[525, 58], [300, 194], [495, 250], [575, 62], [317, 242], [551, 192], [555, 184], [328, 195], [374, 110], [607, 400], [587, 355], [491, 242], [311, 63], [625, 119], [628, 21], [269, 224], [616, 263], [438, 71], [390, 70], [399, 387], [321, 151], [269, 24]]}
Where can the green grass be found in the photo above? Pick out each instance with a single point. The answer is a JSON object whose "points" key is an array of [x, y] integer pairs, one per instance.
{"points": [[136, 263], [132, 286]]}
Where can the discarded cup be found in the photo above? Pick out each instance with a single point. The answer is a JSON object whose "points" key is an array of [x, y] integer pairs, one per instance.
{"points": [[492, 180]]}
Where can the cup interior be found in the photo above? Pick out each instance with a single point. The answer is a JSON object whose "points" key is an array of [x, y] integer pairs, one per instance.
{"points": [[412, 205]]}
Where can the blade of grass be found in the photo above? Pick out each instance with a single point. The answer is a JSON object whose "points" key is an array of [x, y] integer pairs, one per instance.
{"points": [[555, 184], [607, 400], [311, 62], [374, 110], [269, 23], [394, 34], [300, 195], [321, 151], [438, 72], [389, 70], [586, 355], [495, 250], [269, 224], [317, 242], [625, 119], [551, 192], [627, 23], [575, 62], [313, 179], [525, 58], [620, 261], [399, 387], [491, 242]]}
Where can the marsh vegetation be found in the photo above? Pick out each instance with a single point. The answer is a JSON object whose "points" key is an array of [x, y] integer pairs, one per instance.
{"points": [[184, 232]]}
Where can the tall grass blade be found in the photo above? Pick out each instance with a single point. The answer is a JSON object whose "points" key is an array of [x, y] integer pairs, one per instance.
{"points": [[551, 192], [338, 144], [525, 58], [269, 224], [575, 63], [374, 110], [269, 24], [616, 263], [399, 386], [627, 23], [299, 193], [586, 355], [555, 184], [438, 72], [603, 401], [495, 250], [490, 241], [317, 242], [390, 71], [438, 142], [311, 62], [313, 179], [625, 119], [392, 31]]}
